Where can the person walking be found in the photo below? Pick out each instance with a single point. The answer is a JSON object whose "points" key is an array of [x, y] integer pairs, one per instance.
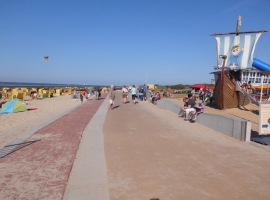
{"points": [[82, 95], [144, 92], [133, 94], [97, 92], [112, 97], [124, 94]]}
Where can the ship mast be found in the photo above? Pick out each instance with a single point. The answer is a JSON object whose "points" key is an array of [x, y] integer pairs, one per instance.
{"points": [[224, 57], [238, 24]]}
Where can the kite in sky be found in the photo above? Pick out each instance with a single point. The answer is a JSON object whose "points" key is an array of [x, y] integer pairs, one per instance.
{"points": [[46, 58]]}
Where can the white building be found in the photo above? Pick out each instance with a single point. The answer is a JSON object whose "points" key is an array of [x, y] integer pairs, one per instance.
{"points": [[254, 76]]}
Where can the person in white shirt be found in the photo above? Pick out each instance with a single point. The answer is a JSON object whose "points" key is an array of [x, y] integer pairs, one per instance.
{"points": [[124, 94]]}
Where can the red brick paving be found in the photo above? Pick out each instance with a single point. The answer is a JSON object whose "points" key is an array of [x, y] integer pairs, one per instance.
{"points": [[41, 170]]}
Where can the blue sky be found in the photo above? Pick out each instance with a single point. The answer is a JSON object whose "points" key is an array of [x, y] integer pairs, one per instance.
{"points": [[121, 41]]}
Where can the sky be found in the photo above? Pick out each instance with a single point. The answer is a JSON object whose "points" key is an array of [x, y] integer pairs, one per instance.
{"points": [[105, 42]]}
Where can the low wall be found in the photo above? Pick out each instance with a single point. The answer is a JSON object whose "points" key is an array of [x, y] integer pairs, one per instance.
{"points": [[169, 105], [235, 127]]}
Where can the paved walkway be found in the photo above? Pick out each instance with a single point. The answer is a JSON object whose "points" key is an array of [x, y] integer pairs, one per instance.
{"points": [[153, 154], [41, 169]]}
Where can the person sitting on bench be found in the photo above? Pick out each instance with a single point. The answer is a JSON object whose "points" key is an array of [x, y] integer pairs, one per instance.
{"points": [[153, 97], [190, 103], [183, 109]]}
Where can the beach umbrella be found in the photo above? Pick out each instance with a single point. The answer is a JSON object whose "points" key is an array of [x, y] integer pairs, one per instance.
{"points": [[13, 106], [46, 58]]}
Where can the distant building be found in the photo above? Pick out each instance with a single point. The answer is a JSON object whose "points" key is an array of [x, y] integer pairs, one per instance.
{"points": [[151, 86]]}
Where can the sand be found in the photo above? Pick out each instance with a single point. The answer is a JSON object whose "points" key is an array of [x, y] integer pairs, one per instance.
{"points": [[14, 125], [251, 112]]}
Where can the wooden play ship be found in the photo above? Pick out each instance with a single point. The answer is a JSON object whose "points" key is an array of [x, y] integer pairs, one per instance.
{"points": [[234, 54]]}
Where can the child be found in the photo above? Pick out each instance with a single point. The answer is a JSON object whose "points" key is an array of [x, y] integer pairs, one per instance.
{"points": [[199, 109]]}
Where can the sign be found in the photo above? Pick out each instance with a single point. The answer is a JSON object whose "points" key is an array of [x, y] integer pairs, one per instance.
{"points": [[213, 81], [264, 119]]}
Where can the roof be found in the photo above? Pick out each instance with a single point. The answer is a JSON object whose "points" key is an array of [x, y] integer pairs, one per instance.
{"points": [[200, 85], [265, 73]]}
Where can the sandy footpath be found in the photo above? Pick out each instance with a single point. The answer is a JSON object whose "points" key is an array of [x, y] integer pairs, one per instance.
{"points": [[153, 154], [14, 125]]}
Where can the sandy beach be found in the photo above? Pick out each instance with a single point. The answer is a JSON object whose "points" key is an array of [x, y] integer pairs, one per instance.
{"points": [[14, 125]]}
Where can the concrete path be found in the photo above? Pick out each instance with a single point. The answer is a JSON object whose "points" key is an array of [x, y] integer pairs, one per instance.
{"points": [[88, 178], [153, 154], [41, 170]]}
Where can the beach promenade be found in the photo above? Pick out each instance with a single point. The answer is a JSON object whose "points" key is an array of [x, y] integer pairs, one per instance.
{"points": [[41, 170], [133, 152]]}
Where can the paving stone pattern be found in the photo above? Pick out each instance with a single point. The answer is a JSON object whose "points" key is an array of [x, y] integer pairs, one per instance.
{"points": [[41, 170]]}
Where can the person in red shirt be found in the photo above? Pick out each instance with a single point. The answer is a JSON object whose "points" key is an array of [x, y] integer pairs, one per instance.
{"points": [[158, 96], [83, 93]]}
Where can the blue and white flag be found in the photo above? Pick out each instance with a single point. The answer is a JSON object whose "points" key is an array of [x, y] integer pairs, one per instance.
{"points": [[239, 50]]}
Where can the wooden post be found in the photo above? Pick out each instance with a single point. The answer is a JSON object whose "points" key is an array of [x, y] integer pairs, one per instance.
{"points": [[222, 81], [261, 89]]}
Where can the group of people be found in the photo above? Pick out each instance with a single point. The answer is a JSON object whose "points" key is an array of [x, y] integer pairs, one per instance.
{"points": [[133, 94], [136, 93], [125, 92], [206, 95], [154, 96], [248, 87], [87, 94], [189, 101]]}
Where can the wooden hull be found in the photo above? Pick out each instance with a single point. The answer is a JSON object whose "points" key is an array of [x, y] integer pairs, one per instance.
{"points": [[229, 98]]}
